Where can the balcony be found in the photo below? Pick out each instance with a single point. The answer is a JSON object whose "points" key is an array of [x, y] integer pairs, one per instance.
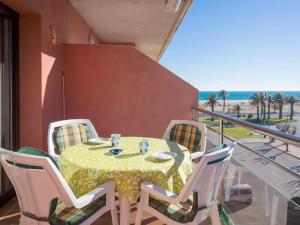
{"points": [[73, 66], [261, 185]]}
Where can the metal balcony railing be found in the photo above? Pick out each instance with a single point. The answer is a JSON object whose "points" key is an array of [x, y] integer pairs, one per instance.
{"points": [[292, 139], [262, 184]]}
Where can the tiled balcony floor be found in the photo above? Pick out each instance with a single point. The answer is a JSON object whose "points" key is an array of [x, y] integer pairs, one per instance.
{"points": [[9, 215]]}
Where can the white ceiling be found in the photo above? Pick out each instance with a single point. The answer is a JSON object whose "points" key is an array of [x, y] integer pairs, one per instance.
{"points": [[149, 24]]}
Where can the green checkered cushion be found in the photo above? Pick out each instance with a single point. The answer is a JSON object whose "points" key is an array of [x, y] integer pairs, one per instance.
{"points": [[60, 215], [296, 200], [70, 135], [217, 148], [183, 213], [186, 135], [36, 152]]}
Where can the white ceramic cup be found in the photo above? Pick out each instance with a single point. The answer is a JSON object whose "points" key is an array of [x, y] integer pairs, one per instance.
{"points": [[115, 139], [144, 146]]}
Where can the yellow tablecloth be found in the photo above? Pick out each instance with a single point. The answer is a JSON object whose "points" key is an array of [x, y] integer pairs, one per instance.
{"points": [[86, 166]]}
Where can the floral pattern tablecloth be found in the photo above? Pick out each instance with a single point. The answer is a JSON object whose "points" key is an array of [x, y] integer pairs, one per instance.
{"points": [[88, 165]]}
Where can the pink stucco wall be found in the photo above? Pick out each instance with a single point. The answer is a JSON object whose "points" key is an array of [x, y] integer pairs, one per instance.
{"points": [[41, 67], [116, 86], [122, 90]]}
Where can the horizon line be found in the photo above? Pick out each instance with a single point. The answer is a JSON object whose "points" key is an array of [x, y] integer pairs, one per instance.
{"points": [[250, 90]]}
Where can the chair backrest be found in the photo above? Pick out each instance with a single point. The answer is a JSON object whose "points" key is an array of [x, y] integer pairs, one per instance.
{"points": [[207, 175], [189, 137], [37, 182], [55, 150]]}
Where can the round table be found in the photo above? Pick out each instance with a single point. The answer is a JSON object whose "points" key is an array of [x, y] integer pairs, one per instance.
{"points": [[88, 165]]}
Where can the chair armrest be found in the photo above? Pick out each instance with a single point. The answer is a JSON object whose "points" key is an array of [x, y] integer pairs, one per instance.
{"points": [[94, 195], [160, 193], [196, 155], [55, 156]]}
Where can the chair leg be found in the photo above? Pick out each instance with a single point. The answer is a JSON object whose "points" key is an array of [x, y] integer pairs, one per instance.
{"points": [[144, 199], [139, 214], [111, 196], [114, 216], [214, 215]]}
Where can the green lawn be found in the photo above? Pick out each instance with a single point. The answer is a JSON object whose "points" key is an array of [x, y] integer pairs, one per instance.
{"points": [[239, 132], [268, 121], [208, 121]]}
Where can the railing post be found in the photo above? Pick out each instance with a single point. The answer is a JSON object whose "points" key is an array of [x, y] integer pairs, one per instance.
{"points": [[221, 135], [193, 114]]}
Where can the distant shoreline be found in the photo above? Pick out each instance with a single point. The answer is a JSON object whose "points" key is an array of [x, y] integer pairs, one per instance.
{"points": [[244, 95], [246, 107]]}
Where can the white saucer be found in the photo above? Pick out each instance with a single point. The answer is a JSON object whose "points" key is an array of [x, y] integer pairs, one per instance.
{"points": [[164, 155]]}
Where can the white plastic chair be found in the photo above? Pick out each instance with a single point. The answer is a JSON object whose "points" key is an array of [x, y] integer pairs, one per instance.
{"points": [[37, 181], [52, 126], [205, 181], [200, 126]]}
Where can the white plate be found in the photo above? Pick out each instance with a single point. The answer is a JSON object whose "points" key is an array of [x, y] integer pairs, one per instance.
{"points": [[164, 155], [98, 140]]}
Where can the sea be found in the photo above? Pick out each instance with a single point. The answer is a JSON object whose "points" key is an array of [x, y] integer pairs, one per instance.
{"points": [[245, 95]]}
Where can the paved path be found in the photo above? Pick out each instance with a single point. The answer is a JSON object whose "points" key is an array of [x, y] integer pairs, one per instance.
{"points": [[273, 151], [272, 186], [285, 182], [279, 156]]}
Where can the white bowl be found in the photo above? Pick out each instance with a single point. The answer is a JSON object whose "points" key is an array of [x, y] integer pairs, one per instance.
{"points": [[164, 155]]}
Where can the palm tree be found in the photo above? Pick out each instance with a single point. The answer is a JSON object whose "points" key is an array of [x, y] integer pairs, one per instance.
{"points": [[274, 106], [255, 100], [280, 99], [223, 94], [212, 101], [269, 101], [237, 108], [263, 97], [291, 100]]}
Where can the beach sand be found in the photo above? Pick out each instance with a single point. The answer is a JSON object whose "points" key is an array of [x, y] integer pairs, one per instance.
{"points": [[246, 107]]}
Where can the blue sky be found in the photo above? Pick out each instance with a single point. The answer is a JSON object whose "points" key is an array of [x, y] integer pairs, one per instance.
{"points": [[238, 45]]}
